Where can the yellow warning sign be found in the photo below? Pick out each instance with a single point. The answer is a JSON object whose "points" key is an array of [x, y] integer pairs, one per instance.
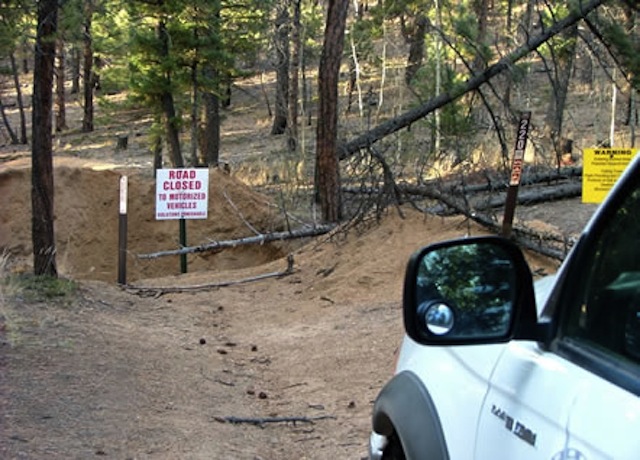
{"points": [[601, 169]]}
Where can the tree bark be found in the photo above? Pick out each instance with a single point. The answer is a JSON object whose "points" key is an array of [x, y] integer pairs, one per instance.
{"points": [[391, 126], [87, 119], [44, 247], [282, 69], [327, 164], [211, 144], [61, 107], [294, 71]]}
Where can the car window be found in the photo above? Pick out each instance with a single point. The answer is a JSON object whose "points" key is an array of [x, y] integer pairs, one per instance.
{"points": [[604, 311]]}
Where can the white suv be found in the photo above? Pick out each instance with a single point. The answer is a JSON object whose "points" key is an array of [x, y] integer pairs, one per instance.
{"points": [[490, 369]]}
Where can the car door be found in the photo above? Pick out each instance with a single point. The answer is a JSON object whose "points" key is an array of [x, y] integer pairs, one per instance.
{"points": [[577, 397], [600, 334], [527, 407]]}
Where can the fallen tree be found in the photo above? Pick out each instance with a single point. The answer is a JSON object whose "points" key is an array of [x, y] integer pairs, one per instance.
{"points": [[548, 244], [304, 232]]}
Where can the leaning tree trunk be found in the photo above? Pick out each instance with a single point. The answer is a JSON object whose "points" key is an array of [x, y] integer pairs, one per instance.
{"points": [[7, 125], [44, 246], [327, 164], [16, 83], [282, 69]]}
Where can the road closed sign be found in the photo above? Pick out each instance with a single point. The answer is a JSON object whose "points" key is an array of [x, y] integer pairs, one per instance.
{"points": [[601, 169], [182, 193]]}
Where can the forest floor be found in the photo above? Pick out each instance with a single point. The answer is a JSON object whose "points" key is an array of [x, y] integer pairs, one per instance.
{"points": [[283, 368]]}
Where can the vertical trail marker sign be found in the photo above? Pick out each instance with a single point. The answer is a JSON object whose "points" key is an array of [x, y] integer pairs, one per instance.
{"points": [[122, 231], [516, 173], [182, 194]]}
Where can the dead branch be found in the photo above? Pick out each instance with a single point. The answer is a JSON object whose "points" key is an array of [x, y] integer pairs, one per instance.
{"points": [[261, 421], [235, 208], [304, 232], [473, 83], [152, 291]]}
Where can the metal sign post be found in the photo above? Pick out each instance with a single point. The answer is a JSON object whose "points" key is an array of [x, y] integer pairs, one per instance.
{"points": [[516, 173]]}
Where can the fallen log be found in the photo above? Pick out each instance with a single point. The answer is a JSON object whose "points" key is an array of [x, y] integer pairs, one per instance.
{"points": [[526, 238], [493, 183], [530, 197], [304, 232]]}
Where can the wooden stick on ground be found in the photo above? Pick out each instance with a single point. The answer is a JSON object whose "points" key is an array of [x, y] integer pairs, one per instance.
{"points": [[153, 291], [261, 421]]}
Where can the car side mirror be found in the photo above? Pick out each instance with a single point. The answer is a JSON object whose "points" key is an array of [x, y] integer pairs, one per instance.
{"points": [[469, 291]]}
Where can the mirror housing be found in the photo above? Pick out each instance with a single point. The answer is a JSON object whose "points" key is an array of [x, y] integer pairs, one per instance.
{"points": [[470, 291]]}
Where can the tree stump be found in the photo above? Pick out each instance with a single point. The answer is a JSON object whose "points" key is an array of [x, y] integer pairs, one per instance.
{"points": [[122, 142]]}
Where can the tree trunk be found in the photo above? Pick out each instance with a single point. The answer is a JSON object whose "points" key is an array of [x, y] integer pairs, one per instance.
{"points": [[294, 71], [480, 8], [61, 112], [211, 141], [87, 119], [75, 70], [327, 165], [44, 246], [282, 69], [563, 64], [168, 105], [195, 109], [16, 83], [415, 38]]}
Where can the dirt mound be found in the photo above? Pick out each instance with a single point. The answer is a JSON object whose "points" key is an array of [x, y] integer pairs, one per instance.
{"points": [[86, 225]]}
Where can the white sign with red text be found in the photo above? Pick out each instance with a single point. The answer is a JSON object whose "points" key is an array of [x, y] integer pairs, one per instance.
{"points": [[182, 193]]}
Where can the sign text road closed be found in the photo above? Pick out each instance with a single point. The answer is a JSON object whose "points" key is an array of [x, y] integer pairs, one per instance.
{"points": [[601, 169], [182, 193]]}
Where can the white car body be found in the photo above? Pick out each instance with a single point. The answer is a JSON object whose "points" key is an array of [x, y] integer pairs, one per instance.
{"points": [[520, 399]]}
